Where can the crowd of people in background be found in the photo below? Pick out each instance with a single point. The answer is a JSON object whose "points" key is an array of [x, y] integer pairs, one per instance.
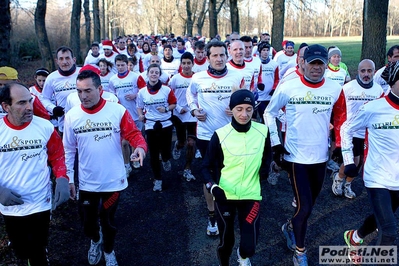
{"points": [[247, 110]]}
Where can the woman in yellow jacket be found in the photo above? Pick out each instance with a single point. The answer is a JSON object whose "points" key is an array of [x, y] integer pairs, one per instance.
{"points": [[231, 174]]}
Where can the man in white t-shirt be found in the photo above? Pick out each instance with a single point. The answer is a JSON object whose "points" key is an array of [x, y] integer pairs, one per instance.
{"points": [[28, 145], [96, 128]]}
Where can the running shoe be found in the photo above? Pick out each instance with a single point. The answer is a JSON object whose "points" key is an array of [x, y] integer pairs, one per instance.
{"points": [[337, 185], [241, 261], [188, 175], [333, 166], [136, 164], [167, 166], [198, 154], [212, 228], [348, 192], [289, 235], [274, 174], [110, 259], [293, 203], [176, 152], [157, 185], [95, 251], [300, 258], [353, 247], [128, 170]]}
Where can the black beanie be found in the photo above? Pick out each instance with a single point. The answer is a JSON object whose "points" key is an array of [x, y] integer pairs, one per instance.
{"points": [[241, 96]]}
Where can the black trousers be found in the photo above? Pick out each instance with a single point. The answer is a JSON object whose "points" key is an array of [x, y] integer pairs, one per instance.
{"points": [[159, 141], [92, 212], [248, 219], [306, 181], [29, 236]]}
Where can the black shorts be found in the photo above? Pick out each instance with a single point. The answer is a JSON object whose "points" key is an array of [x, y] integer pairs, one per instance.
{"points": [[358, 146]]}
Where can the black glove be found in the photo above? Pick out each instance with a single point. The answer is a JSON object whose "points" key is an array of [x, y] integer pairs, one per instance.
{"points": [[351, 170], [9, 197], [278, 152], [219, 194], [261, 86], [58, 111], [271, 92], [337, 155]]}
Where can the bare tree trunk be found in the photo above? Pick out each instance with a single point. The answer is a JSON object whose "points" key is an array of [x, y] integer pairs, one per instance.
{"points": [[96, 21], [201, 18], [278, 23], [234, 16], [75, 30], [375, 15], [41, 33], [104, 21], [86, 6], [189, 21], [213, 19], [5, 31]]}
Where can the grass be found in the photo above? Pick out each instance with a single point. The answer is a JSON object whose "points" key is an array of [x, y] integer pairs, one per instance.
{"points": [[350, 47]]}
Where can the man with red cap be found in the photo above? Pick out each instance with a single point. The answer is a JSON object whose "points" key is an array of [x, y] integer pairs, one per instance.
{"points": [[110, 52]]}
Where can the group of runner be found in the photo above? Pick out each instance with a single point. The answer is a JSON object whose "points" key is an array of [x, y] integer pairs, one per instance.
{"points": [[316, 118]]}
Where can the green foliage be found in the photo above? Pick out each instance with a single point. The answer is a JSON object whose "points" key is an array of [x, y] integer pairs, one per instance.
{"points": [[29, 48], [350, 47]]}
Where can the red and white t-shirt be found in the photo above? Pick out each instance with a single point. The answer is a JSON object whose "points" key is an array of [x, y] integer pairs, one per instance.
{"points": [[97, 135], [149, 101], [212, 94], [380, 119], [308, 110], [179, 84], [130, 83], [25, 152], [352, 97]]}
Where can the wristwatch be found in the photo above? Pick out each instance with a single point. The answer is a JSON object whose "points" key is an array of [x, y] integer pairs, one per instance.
{"points": [[192, 112], [167, 109]]}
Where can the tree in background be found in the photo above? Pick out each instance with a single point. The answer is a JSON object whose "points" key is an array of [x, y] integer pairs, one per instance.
{"points": [[375, 17], [75, 30], [41, 33], [234, 16], [5, 30], [278, 23], [213, 17], [96, 21], [86, 12]]}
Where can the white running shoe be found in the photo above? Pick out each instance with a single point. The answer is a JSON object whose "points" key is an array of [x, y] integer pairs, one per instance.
{"points": [[128, 170], [95, 251], [348, 192], [241, 261], [274, 174], [198, 154], [167, 166], [136, 164], [157, 185], [293, 203], [110, 259], [337, 185], [212, 230], [176, 152], [333, 166], [188, 175]]}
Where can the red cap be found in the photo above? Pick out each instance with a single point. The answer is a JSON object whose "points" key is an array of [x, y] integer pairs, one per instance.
{"points": [[107, 44], [91, 68]]}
